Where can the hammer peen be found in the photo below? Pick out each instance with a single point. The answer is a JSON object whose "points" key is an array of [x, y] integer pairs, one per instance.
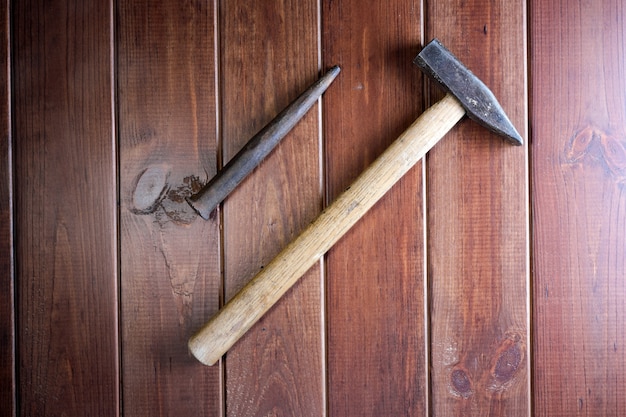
{"points": [[466, 95]]}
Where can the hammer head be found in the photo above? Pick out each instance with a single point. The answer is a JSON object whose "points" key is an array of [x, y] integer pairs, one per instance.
{"points": [[479, 102]]}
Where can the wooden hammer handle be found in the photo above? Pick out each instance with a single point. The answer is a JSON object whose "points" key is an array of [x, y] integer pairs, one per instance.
{"points": [[269, 285]]}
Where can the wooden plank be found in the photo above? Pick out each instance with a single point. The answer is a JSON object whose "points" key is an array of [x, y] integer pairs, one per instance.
{"points": [[170, 263], [478, 225], [375, 274], [269, 56], [7, 289], [65, 205], [579, 218]]}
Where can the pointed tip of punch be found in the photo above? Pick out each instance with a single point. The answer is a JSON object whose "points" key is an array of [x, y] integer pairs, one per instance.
{"points": [[330, 75]]}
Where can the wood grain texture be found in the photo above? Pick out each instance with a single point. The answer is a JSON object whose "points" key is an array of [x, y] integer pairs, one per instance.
{"points": [[478, 225], [69, 86], [579, 207], [170, 263], [7, 285], [270, 55], [66, 240], [375, 274]]}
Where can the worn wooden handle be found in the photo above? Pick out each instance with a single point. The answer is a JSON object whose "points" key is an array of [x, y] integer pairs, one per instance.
{"points": [[269, 285]]}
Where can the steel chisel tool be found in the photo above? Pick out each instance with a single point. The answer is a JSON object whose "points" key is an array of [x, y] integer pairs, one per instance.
{"points": [[257, 148]]}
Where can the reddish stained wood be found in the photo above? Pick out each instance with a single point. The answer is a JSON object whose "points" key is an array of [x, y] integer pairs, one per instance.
{"points": [[7, 290], [269, 56], [579, 206], [65, 205], [477, 226], [66, 250], [170, 263], [375, 274]]}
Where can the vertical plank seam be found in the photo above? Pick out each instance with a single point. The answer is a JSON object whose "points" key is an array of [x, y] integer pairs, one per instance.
{"points": [[219, 159], [113, 50], [12, 296], [529, 215], [427, 324], [324, 200], [322, 193], [529, 281], [426, 282], [525, 39]]}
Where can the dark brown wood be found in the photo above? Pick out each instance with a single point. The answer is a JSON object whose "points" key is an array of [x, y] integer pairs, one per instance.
{"points": [[170, 263], [375, 274], [269, 55], [579, 218], [65, 205], [7, 289], [478, 225]]}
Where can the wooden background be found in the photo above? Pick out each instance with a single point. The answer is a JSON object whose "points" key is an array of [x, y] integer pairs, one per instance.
{"points": [[488, 281]]}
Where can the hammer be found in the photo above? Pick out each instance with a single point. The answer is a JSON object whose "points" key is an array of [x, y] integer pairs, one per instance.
{"points": [[466, 95]]}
